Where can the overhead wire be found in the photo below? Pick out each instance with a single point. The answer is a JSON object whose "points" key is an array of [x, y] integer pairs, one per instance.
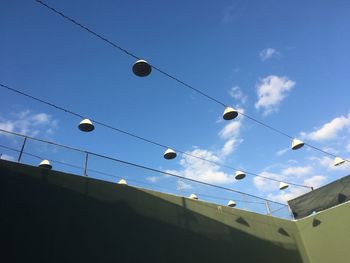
{"points": [[113, 44], [138, 165], [119, 177], [140, 137]]}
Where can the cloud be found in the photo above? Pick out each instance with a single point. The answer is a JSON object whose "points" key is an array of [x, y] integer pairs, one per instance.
{"points": [[236, 93], [329, 130], [229, 147], [29, 123], [297, 170], [153, 179], [271, 91], [284, 196], [348, 147], [282, 151], [181, 185], [6, 125], [328, 163], [202, 170], [298, 174], [7, 157], [230, 130], [268, 53], [315, 181], [266, 185]]}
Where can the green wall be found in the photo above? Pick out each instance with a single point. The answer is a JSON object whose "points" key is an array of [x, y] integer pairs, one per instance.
{"points": [[50, 216], [326, 235]]}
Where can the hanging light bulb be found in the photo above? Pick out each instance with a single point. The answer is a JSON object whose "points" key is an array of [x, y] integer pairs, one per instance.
{"points": [[86, 125], [239, 175], [170, 154], [141, 68], [297, 144], [122, 181], [229, 113], [45, 164], [338, 161], [193, 196], [231, 203], [283, 186]]}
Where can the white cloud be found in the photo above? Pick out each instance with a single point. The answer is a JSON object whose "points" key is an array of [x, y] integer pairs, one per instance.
{"points": [[7, 157], [282, 151], [329, 130], [315, 181], [181, 185], [348, 147], [230, 130], [271, 91], [29, 123], [201, 170], [293, 192], [7, 125], [297, 174], [297, 170], [330, 150], [236, 93], [268, 53], [228, 147], [41, 118], [153, 179], [284, 196], [266, 185], [328, 163]]}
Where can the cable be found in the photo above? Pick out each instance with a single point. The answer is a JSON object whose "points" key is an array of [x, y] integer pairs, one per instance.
{"points": [[126, 51], [129, 180], [138, 166], [139, 137], [15, 150], [169, 75]]}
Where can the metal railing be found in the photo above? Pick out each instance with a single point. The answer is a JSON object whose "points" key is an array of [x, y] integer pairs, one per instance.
{"points": [[32, 151]]}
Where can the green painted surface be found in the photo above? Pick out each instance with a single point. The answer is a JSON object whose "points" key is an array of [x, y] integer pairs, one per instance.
{"points": [[50, 216], [326, 235]]}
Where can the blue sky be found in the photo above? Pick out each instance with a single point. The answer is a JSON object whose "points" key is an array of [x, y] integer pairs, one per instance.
{"points": [[285, 63]]}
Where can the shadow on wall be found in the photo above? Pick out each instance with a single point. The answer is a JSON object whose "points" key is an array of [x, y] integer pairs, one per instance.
{"points": [[50, 223]]}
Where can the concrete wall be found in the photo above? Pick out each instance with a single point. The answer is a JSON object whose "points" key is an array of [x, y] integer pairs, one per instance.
{"points": [[49, 216]]}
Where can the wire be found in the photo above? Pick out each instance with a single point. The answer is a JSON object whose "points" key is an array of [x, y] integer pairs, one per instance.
{"points": [[15, 150], [170, 75], [138, 165], [139, 137], [129, 180], [113, 44]]}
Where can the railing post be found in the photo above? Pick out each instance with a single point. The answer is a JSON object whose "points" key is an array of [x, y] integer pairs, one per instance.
{"points": [[267, 207], [86, 164], [179, 183], [21, 152]]}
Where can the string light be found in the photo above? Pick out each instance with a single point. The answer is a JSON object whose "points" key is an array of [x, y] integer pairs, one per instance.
{"points": [[145, 64], [170, 150], [137, 165]]}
